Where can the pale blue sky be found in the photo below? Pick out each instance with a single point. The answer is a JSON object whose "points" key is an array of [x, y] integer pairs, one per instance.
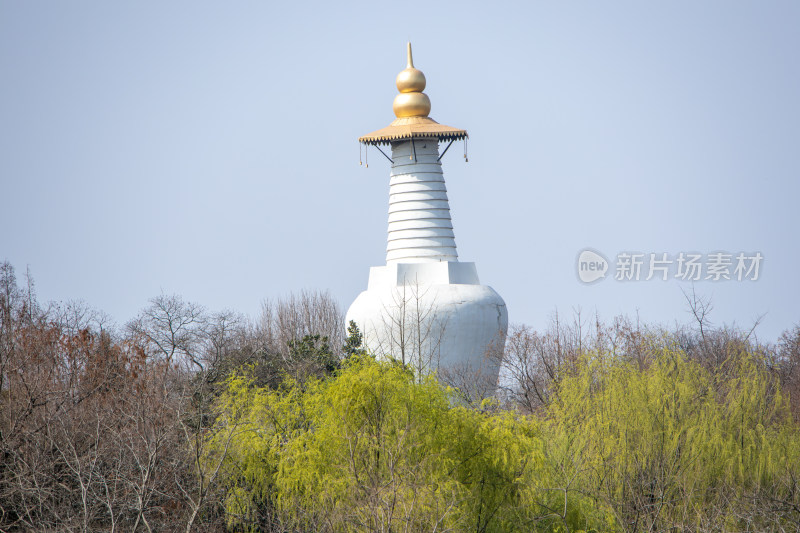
{"points": [[209, 149]]}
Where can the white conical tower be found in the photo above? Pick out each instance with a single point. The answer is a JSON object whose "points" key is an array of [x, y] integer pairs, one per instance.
{"points": [[425, 307], [420, 229]]}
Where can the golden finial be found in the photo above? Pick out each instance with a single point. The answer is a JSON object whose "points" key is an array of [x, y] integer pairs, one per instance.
{"points": [[412, 107], [411, 102]]}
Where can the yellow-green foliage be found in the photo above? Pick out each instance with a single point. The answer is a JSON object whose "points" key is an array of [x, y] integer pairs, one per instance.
{"points": [[622, 447], [376, 449], [673, 443], [253, 426]]}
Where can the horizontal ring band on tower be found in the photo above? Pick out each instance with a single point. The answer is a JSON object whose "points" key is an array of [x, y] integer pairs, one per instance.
{"points": [[421, 223], [407, 255], [420, 232], [446, 242], [416, 205]]}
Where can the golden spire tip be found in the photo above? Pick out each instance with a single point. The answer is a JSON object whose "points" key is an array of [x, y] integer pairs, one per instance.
{"points": [[411, 102]]}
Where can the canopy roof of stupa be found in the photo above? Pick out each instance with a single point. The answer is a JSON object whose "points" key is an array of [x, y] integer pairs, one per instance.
{"points": [[413, 128], [412, 107]]}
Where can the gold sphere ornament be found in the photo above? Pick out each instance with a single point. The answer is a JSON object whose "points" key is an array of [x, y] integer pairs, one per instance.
{"points": [[410, 80], [411, 105]]}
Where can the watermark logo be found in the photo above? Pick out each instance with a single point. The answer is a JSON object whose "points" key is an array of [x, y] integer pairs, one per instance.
{"points": [[684, 266], [592, 266]]}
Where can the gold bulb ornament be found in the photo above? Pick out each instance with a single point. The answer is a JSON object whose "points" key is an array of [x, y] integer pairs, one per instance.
{"points": [[411, 102], [410, 80]]}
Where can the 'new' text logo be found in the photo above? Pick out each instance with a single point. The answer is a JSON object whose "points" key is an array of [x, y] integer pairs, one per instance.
{"points": [[591, 266]]}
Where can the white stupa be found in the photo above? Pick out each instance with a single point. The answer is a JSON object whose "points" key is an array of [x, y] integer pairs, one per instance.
{"points": [[425, 307]]}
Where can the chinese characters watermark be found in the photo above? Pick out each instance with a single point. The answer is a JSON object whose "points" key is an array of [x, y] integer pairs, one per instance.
{"points": [[685, 266]]}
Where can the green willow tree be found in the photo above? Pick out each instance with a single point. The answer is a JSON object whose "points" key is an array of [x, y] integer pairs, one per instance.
{"points": [[374, 449], [675, 445], [623, 445]]}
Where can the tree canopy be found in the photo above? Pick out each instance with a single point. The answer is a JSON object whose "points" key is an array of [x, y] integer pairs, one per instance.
{"points": [[191, 420]]}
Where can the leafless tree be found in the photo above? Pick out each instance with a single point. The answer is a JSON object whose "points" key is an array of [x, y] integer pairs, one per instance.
{"points": [[295, 316], [412, 329], [173, 329], [788, 366]]}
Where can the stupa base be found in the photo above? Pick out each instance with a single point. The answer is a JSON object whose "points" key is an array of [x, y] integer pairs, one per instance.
{"points": [[432, 316]]}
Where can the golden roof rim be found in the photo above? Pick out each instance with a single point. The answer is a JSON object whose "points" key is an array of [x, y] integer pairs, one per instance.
{"points": [[412, 106]]}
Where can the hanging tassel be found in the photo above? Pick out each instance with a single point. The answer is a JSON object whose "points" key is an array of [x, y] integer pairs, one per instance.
{"points": [[366, 155], [359, 155]]}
